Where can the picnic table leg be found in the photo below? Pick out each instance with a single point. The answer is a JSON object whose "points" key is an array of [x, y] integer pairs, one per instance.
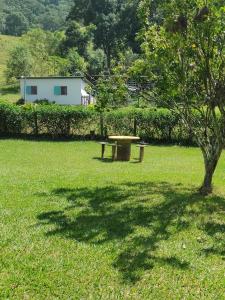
{"points": [[142, 151], [103, 151]]}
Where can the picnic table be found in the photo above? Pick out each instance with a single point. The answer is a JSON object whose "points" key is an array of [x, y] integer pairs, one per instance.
{"points": [[123, 146]]}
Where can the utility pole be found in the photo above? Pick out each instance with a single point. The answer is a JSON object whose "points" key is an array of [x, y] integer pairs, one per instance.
{"points": [[24, 88]]}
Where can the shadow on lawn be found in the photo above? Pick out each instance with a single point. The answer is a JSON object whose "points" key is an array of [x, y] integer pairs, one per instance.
{"points": [[136, 218]]}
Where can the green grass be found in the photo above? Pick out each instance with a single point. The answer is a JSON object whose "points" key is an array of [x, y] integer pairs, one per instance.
{"points": [[73, 227], [10, 93]]}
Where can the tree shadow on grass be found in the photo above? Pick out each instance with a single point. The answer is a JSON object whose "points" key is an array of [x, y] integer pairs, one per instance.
{"points": [[216, 231], [134, 218], [105, 160]]}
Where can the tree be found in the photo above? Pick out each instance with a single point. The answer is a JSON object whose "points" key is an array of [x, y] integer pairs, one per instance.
{"points": [[76, 63], [130, 24], [105, 16], [43, 47], [58, 66], [110, 92], [16, 24], [96, 60], [19, 63], [77, 36], [46, 14], [185, 57]]}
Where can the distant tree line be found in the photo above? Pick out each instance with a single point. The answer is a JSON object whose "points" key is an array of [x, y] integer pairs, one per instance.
{"points": [[19, 16], [94, 38], [65, 37]]}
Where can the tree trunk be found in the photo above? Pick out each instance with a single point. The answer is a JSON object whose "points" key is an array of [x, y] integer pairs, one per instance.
{"points": [[211, 162]]}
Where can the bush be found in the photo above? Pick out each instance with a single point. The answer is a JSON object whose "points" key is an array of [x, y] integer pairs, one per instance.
{"points": [[21, 101], [120, 121], [11, 119], [150, 124], [43, 102], [52, 120]]}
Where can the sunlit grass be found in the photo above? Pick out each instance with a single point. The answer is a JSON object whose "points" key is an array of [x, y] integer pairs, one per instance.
{"points": [[74, 227], [10, 93]]}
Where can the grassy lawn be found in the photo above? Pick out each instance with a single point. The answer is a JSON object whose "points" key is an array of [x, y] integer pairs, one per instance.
{"points": [[73, 227], [10, 93]]}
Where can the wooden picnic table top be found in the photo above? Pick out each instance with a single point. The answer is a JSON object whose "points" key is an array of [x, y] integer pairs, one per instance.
{"points": [[124, 137]]}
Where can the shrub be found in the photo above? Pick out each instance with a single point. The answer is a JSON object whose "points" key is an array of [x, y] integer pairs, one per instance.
{"points": [[11, 118], [43, 102], [150, 124], [53, 120]]}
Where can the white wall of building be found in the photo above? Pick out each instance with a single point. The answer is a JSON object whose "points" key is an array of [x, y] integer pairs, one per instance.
{"points": [[45, 89]]}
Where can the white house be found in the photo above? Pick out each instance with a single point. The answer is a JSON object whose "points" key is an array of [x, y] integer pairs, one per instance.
{"points": [[61, 90]]}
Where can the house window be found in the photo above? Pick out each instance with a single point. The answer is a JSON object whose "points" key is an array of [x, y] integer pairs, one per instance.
{"points": [[31, 90], [64, 90], [60, 90]]}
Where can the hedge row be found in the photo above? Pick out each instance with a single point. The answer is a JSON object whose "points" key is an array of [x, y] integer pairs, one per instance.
{"points": [[63, 121], [51, 120]]}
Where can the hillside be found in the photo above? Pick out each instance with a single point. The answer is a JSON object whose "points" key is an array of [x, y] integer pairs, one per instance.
{"points": [[7, 93], [6, 44], [18, 16]]}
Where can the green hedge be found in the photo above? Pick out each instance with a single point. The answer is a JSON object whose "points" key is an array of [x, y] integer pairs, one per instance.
{"points": [[63, 121], [150, 124], [52, 120]]}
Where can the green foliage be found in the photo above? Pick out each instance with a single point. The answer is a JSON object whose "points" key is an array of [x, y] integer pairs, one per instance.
{"points": [[160, 125], [7, 43], [76, 62], [18, 16], [150, 124], [16, 24], [184, 57], [81, 38], [116, 24], [19, 63], [100, 32], [37, 55], [11, 119], [77, 36], [111, 92], [52, 120], [43, 46], [96, 60]]}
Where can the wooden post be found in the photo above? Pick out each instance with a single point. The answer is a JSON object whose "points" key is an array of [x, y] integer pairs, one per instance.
{"points": [[103, 150]]}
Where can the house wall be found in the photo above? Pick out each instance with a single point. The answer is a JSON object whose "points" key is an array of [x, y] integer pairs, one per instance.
{"points": [[45, 89]]}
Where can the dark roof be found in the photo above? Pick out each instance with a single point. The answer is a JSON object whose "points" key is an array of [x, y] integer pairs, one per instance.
{"points": [[52, 77], [57, 77]]}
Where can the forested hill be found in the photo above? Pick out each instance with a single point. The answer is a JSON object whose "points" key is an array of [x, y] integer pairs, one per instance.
{"points": [[18, 16]]}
